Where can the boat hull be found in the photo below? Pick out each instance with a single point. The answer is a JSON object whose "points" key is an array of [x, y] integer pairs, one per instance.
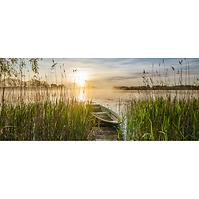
{"points": [[104, 116]]}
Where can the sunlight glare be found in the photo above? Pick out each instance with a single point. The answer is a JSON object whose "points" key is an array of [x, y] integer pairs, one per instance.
{"points": [[81, 78]]}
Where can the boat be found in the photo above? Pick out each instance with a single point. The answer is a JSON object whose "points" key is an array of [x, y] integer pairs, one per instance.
{"points": [[105, 116]]}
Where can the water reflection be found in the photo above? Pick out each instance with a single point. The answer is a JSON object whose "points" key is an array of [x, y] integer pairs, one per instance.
{"points": [[81, 96], [111, 98]]}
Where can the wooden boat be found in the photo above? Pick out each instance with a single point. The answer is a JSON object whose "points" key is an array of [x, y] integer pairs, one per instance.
{"points": [[105, 116]]}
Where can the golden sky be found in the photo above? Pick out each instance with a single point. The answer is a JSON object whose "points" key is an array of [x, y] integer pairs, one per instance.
{"points": [[100, 72]]}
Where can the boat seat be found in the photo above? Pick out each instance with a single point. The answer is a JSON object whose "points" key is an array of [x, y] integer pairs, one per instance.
{"points": [[98, 113]]}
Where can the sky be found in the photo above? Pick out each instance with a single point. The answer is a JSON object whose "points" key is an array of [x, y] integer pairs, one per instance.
{"points": [[100, 72]]}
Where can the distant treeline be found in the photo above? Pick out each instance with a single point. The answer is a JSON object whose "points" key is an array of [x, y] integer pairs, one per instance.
{"points": [[177, 87], [16, 83]]}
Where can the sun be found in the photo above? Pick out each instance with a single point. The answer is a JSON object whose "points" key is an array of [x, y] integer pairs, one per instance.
{"points": [[81, 78]]}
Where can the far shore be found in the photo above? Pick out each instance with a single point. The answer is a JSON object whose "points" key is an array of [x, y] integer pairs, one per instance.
{"points": [[178, 87]]}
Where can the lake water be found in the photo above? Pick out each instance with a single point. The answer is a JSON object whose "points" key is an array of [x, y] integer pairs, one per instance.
{"points": [[111, 98]]}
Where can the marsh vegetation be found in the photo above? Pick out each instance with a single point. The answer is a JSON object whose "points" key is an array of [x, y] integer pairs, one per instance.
{"points": [[32, 108], [172, 117], [29, 112], [61, 120], [163, 119]]}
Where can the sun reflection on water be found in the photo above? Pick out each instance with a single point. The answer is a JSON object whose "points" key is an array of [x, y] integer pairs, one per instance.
{"points": [[81, 95], [80, 78]]}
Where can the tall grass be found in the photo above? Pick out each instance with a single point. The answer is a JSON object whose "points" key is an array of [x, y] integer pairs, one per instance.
{"points": [[68, 120], [163, 119]]}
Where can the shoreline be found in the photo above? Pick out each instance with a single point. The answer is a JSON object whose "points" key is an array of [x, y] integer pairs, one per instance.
{"points": [[185, 87]]}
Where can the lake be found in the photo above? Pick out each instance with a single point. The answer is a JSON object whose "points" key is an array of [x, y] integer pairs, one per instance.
{"points": [[112, 98]]}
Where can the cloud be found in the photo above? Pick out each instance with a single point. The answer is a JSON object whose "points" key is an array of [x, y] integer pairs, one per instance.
{"points": [[116, 69]]}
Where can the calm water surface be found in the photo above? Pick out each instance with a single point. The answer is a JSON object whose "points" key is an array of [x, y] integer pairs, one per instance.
{"points": [[114, 99]]}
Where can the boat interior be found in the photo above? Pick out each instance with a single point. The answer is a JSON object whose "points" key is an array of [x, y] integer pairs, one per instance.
{"points": [[103, 113]]}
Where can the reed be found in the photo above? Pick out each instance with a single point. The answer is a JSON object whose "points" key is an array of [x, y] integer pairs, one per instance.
{"points": [[163, 119], [68, 120]]}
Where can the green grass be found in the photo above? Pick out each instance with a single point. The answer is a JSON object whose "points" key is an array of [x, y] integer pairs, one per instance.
{"points": [[70, 120], [163, 119]]}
